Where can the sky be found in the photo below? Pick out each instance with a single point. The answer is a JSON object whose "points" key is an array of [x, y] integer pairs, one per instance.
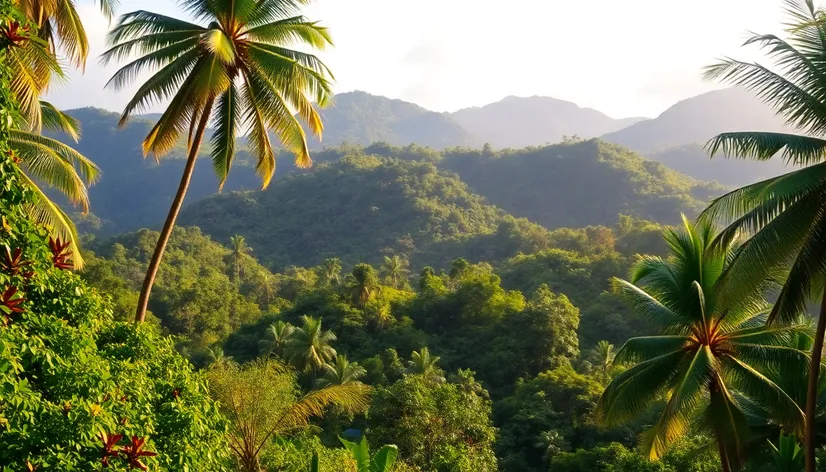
{"points": [[624, 58]]}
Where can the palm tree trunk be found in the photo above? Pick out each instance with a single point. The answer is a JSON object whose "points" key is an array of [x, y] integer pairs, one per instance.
{"points": [[724, 462], [169, 224], [811, 392]]}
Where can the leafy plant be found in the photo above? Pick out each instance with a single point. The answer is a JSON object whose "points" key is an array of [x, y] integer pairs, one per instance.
{"points": [[381, 461]]}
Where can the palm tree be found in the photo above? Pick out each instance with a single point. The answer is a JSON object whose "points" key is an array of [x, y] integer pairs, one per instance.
{"points": [[216, 356], [362, 284], [58, 23], [308, 348], [343, 372], [238, 72], [260, 401], [332, 270], [395, 269], [710, 354], [278, 334], [422, 363], [239, 250], [59, 31], [783, 213], [603, 352], [57, 165], [45, 160]]}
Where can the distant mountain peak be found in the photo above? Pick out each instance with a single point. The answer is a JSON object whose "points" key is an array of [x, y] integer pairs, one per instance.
{"points": [[530, 121]]}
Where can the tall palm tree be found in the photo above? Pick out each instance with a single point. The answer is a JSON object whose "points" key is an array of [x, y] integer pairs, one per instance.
{"points": [[308, 348], [422, 363], [238, 72], [604, 354], [362, 284], [711, 352], [784, 213], [239, 249], [395, 269], [332, 270], [278, 334], [343, 372]]}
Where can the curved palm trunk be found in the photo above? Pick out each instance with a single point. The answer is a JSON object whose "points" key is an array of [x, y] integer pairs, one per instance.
{"points": [[169, 224], [811, 392]]}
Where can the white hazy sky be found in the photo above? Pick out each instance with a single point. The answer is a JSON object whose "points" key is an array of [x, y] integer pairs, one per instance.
{"points": [[625, 58]]}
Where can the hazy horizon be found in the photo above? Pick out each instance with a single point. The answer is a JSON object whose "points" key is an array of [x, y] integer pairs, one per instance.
{"points": [[629, 60]]}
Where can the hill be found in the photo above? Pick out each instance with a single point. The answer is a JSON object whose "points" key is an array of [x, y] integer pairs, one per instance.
{"points": [[358, 209], [135, 192], [516, 122], [579, 183], [669, 137], [362, 118], [362, 206]]}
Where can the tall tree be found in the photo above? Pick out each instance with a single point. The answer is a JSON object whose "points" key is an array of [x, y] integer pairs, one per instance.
{"points": [[603, 353], [343, 372], [332, 271], [395, 269], [308, 348], [262, 401], [237, 73], [712, 343], [239, 248], [784, 214], [423, 364], [362, 284], [278, 334]]}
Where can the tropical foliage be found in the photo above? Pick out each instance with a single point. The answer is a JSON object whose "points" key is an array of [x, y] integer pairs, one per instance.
{"points": [[709, 355]]}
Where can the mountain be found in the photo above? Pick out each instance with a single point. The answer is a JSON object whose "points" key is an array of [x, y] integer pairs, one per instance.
{"points": [[135, 192], [575, 184], [361, 207], [676, 136], [517, 122], [362, 118], [369, 205]]}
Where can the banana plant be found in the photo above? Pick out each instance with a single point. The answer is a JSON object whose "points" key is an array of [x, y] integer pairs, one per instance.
{"points": [[381, 461]]}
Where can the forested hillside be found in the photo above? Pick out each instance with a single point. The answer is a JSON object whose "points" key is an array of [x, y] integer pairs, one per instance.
{"points": [[537, 183], [362, 206], [579, 183]]}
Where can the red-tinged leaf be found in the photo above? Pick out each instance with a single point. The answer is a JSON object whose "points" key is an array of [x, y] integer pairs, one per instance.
{"points": [[61, 254], [12, 262], [134, 451], [11, 303]]}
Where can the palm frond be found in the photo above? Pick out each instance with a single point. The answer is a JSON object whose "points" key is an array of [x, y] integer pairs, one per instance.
{"points": [[44, 211], [761, 146], [223, 140], [56, 121], [352, 397]]}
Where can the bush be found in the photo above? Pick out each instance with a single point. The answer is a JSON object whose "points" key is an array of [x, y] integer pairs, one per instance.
{"points": [[73, 379]]}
